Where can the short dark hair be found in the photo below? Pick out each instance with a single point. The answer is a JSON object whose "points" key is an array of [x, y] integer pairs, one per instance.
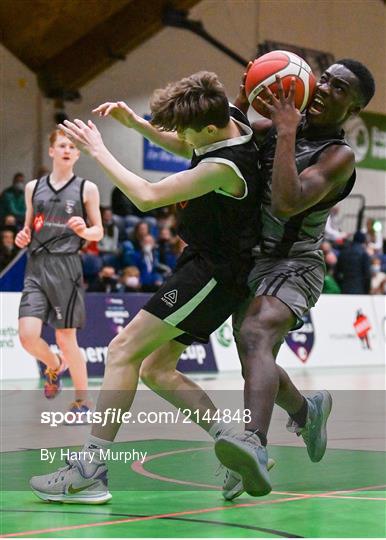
{"points": [[365, 78], [193, 102]]}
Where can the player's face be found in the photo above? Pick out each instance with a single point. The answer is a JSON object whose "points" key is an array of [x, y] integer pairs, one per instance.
{"points": [[336, 97], [64, 152]]}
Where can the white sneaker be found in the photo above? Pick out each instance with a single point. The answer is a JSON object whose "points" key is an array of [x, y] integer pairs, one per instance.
{"points": [[245, 455], [73, 484], [314, 433], [233, 483]]}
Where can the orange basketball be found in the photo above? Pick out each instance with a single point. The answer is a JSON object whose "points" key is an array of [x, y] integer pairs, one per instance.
{"points": [[286, 64]]}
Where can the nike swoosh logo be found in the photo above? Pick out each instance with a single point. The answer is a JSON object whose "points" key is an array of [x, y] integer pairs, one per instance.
{"points": [[71, 490]]}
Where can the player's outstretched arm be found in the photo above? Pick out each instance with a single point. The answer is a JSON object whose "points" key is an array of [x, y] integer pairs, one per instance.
{"points": [[145, 195], [126, 116], [292, 193]]}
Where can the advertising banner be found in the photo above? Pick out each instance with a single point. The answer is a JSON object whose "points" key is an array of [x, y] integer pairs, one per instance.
{"points": [[346, 330], [107, 314], [342, 330], [366, 135], [15, 362]]}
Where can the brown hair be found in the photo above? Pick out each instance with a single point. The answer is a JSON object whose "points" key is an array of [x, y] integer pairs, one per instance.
{"points": [[193, 102], [54, 135]]}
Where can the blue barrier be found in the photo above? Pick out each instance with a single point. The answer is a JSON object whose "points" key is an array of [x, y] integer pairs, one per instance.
{"points": [[12, 277]]}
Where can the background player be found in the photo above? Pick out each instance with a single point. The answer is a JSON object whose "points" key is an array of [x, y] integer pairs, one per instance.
{"points": [[59, 206], [308, 168], [218, 221]]}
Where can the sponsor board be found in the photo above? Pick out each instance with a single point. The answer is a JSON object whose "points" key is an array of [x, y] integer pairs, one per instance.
{"points": [[14, 360], [107, 315], [342, 330], [347, 330], [366, 134]]}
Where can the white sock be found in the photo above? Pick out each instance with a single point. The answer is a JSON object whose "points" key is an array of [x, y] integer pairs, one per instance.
{"points": [[94, 444]]}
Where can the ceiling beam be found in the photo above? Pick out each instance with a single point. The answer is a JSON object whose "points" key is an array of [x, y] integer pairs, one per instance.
{"points": [[62, 75]]}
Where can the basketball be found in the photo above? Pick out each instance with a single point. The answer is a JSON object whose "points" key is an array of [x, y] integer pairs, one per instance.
{"points": [[286, 64]]}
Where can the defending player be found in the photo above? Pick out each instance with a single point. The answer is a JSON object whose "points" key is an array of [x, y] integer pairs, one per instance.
{"points": [[58, 206], [217, 219], [308, 168]]}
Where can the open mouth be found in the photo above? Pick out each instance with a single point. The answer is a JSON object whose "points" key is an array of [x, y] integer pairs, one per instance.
{"points": [[317, 105]]}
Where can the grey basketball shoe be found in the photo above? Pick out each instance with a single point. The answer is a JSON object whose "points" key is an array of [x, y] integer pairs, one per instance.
{"points": [[245, 455], [233, 484], [73, 484], [314, 433]]}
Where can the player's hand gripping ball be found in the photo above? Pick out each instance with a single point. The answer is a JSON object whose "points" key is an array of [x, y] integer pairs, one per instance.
{"points": [[287, 65]]}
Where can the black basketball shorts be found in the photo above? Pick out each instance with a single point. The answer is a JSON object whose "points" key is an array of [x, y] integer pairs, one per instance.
{"points": [[193, 301]]}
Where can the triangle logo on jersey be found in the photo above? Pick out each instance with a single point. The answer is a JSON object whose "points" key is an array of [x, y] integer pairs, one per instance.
{"points": [[170, 298]]}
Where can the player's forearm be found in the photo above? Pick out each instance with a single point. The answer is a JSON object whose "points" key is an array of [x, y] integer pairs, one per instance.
{"points": [[93, 233], [137, 189], [286, 185], [167, 140]]}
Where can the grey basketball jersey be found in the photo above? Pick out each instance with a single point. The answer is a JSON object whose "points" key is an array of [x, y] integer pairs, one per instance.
{"points": [[51, 211], [303, 233]]}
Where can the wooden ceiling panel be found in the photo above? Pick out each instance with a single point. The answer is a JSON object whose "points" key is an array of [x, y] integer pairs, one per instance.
{"points": [[69, 42], [37, 30]]}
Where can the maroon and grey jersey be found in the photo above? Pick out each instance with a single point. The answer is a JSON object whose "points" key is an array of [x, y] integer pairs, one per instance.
{"points": [[51, 211]]}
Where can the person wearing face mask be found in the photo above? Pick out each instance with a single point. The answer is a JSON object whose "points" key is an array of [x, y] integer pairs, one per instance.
{"points": [[130, 279], [378, 278], [107, 281], [12, 200], [8, 250]]}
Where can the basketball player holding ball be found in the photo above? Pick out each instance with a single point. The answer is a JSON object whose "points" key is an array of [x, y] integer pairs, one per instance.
{"points": [[218, 219], [308, 168]]}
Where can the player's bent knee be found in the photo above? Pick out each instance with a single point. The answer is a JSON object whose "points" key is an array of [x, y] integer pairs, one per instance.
{"points": [[121, 352], [151, 376], [64, 342], [258, 331], [28, 339]]}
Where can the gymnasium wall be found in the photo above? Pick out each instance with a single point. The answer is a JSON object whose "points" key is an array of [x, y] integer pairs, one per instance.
{"points": [[19, 95], [343, 27]]}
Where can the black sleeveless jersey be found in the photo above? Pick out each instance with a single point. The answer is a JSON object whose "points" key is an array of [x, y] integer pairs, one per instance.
{"points": [[303, 233], [222, 228]]}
